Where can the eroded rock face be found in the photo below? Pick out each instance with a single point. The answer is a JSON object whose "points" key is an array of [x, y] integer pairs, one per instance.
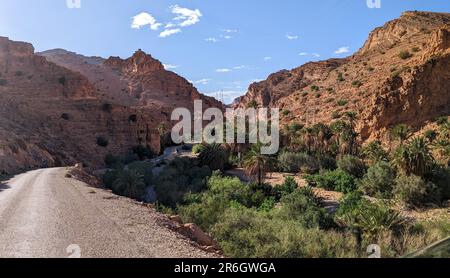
{"points": [[382, 87], [61, 108]]}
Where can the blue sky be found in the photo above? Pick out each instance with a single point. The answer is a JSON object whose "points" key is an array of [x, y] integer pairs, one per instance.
{"points": [[220, 45]]}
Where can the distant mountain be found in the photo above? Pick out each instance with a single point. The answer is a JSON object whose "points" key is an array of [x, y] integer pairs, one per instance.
{"points": [[400, 75], [59, 108]]}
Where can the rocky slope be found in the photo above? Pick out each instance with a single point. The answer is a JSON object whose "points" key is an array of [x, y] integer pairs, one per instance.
{"points": [[59, 108], [400, 75]]}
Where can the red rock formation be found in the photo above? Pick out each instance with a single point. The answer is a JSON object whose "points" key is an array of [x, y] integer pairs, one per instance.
{"points": [[383, 88], [53, 113]]}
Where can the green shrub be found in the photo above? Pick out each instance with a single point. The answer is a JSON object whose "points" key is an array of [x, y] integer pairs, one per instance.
{"points": [[404, 55], [288, 187], [252, 104], [340, 77], [198, 148], [357, 83], [109, 178], [342, 102], [379, 180], [106, 107], [286, 113], [375, 152], [65, 116], [303, 207], [102, 142], [352, 165], [246, 233], [145, 169], [62, 80], [440, 176], [143, 152], [336, 115], [112, 161], [294, 162], [181, 176], [337, 180], [315, 88], [414, 191], [415, 49], [214, 156], [205, 209], [326, 162], [129, 183]]}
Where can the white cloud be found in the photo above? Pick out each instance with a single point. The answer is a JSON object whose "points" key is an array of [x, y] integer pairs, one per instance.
{"points": [[169, 32], [170, 67], [185, 16], [342, 50], [223, 70], [214, 40], [229, 31], [267, 58], [303, 53], [239, 67], [256, 80], [227, 37], [204, 81], [315, 55], [144, 19], [291, 37]]}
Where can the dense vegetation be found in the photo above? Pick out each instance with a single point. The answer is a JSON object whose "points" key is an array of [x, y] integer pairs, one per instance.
{"points": [[259, 220]]}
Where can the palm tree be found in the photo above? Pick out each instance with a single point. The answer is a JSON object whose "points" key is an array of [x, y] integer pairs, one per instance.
{"points": [[257, 164], [130, 184], [374, 152], [214, 156], [401, 133], [415, 158], [351, 117]]}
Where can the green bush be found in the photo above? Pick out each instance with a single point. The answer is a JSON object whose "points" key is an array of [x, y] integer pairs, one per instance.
{"points": [[246, 233], [352, 165], [294, 162], [214, 156], [303, 207], [414, 191], [379, 180], [181, 176], [337, 180], [62, 80], [440, 176], [375, 152], [145, 169], [342, 102], [129, 183], [206, 208], [109, 178], [112, 161], [143, 152], [288, 187], [102, 142], [404, 55], [198, 148]]}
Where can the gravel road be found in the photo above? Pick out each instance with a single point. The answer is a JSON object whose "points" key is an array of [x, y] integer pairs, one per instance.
{"points": [[45, 214]]}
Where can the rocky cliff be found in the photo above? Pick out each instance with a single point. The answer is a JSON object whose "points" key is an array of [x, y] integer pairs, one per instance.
{"points": [[59, 108], [400, 75]]}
